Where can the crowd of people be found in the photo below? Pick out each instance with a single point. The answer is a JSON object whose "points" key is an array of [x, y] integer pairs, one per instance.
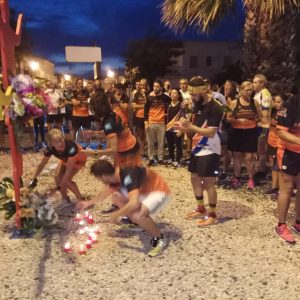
{"points": [[205, 128]]}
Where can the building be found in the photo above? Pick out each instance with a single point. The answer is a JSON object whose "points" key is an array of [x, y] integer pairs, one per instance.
{"points": [[38, 67], [204, 58]]}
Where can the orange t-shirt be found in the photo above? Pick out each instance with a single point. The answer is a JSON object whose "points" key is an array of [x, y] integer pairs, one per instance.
{"points": [[81, 110]]}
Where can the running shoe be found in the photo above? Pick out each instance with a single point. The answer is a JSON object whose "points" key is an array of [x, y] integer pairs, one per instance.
{"points": [[271, 191], [169, 161], [207, 222], [176, 164], [157, 247], [195, 214], [223, 176], [250, 185], [235, 183], [152, 162], [284, 233], [296, 228]]}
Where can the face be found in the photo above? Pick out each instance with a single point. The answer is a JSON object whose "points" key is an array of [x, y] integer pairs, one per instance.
{"points": [[174, 95], [228, 88], [68, 85], [49, 84], [183, 85], [79, 84], [257, 84], [90, 87], [167, 85], [137, 85], [58, 143], [247, 91], [97, 84], [108, 84], [278, 102], [156, 88], [113, 181], [143, 84]]}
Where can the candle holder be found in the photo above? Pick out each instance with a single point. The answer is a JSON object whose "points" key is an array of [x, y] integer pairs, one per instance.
{"points": [[90, 219], [92, 237], [88, 244], [67, 247], [78, 217]]}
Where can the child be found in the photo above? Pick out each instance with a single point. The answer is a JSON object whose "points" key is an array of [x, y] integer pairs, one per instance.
{"points": [[72, 160]]}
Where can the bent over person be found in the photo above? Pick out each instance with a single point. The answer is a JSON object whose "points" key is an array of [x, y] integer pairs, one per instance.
{"points": [[139, 193], [206, 151]]}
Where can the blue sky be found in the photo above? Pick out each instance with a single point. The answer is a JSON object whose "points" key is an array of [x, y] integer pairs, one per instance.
{"points": [[54, 24]]}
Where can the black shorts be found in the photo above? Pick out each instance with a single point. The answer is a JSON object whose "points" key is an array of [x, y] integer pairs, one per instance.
{"points": [[205, 166], [271, 151], [243, 140], [77, 122], [139, 122], [289, 162], [54, 118]]}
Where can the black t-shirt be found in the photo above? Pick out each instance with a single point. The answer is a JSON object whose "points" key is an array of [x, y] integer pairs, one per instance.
{"points": [[211, 113], [81, 95], [71, 149], [173, 111], [132, 178]]}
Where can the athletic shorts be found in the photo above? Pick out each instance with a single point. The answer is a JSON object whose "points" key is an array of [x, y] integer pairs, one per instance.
{"points": [[271, 151], [205, 166], [155, 201], [54, 118], [139, 122], [243, 140], [80, 160], [288, 162], [77, 122], [69, 111]]}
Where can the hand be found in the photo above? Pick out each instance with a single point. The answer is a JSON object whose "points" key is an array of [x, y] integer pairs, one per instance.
{"points": [[81, 205], [115, 218], [32, 184]]}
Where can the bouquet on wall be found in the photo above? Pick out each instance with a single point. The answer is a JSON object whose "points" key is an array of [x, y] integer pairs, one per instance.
{"points": [[29, 100]]}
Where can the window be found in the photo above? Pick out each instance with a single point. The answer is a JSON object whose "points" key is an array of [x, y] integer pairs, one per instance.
{"points": [[208, 61], [193, 62], [227, 61]]}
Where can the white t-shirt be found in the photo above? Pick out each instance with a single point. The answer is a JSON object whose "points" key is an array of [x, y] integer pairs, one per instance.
{"points": [[55, 97]]}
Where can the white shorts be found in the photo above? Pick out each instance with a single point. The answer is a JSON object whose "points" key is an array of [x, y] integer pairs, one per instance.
{"points": [[155, 201]]}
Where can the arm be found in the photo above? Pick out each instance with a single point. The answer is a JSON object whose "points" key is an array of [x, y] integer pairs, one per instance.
{"points": [[75, 102], [229, 116], [132, 205], [41, 166], [111, 150], [288, 137]]}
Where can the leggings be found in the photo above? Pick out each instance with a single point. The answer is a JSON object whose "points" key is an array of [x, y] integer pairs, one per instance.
{"points": [[39, 123], [173, 140]]}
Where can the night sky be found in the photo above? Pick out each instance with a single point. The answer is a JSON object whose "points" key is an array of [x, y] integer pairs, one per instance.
{"points": [[54, 24]]}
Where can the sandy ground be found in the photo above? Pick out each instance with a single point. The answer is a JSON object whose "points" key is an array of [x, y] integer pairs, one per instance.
{"points": [[240, 258]]}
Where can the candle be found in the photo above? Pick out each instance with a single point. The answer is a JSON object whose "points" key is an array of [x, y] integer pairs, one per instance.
{"points": [[77, 217], [90, 219], [81, 231], [81, 222], [86, 229], [92, 237], [96, 229], [86, 215], [67, 247], [88, 244], [82, 249]]}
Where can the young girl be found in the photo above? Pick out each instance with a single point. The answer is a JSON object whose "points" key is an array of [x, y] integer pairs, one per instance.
{"points": [[72, 159]]}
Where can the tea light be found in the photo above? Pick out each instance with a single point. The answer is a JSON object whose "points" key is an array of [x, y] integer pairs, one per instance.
{"points": [[81, 222], [92, 237], [96, 229], [82, 249], [67, 247], [86, 229], [77, 217], [88, 244], [81, 231], [86, 215], [90, 219]]}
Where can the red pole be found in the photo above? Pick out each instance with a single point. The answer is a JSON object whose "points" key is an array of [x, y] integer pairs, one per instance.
{"points": [[17, 168]]}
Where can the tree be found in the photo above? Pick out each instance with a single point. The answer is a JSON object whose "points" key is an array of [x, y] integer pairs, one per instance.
{"points": [[153, 55], [269, 32]]}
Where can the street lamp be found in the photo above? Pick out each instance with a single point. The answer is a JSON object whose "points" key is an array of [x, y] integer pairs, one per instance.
{"points": [[34, 66], [110, 74], [67, 77]]}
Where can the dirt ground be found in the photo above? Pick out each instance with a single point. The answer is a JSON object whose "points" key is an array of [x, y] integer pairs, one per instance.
{"points": [[239, 258]]}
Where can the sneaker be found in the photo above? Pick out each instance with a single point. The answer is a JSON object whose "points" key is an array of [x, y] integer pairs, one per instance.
{"points": [[271, 191], [36, 148], [176, 164], [157, 247], [250, 184], [284, 232], [44, 145], [223, 176], [296, 228], [235, 183], [169, 162], [152, 162], [207, 222], [195, 214], [275, 196]]}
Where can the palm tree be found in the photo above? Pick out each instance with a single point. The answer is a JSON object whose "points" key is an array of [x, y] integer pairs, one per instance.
{"points": [[269, 32]]}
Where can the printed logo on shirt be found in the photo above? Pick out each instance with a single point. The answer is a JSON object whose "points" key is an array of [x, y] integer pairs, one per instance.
{"points": [[284, 167], [107, 126], [127, 180], [282, 113]]}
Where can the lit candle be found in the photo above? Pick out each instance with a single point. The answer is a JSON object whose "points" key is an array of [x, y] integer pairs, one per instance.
{"points": [[78, 217], [82, 249], [67, 247], [86, 215], [81, 231], [90, 219], [86, 229], [88, 244], [92, 237], [81, 222], [96, 229]]}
